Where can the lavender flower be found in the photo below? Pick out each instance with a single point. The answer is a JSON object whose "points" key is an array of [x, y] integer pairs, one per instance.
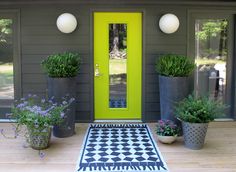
{"points": [[62, 115], [71, 100], [41, 154]]}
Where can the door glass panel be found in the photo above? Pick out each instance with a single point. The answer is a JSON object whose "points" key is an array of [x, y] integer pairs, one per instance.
{"points": [[211, 56], [6, 60], [117, 65]]}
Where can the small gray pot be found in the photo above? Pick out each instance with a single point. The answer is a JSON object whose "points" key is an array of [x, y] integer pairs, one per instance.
{"points": [[194, 134]]}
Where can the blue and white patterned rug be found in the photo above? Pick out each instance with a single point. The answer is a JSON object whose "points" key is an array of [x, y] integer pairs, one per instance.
{"points": [[120, 148]]}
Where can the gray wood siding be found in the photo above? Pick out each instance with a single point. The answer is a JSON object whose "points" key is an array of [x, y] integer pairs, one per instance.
{"points": [[157, 43], [40, 37]]}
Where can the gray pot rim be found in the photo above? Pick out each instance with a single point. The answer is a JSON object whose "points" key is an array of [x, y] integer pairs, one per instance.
{"points": [[62, 77], [194, 122], [173, 76]]}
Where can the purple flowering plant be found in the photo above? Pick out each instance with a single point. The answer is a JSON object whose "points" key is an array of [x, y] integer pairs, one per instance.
{"points": [[39, 113], [167, 128]]}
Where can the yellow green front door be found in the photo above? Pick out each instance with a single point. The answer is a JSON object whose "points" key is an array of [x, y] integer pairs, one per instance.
{"points": [[117, 65]]}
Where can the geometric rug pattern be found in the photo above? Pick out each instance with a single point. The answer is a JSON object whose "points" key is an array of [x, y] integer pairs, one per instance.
{"points": [[120, 148]]}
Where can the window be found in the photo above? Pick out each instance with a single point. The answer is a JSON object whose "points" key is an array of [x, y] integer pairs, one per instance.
{"points": [[10, 71], [211, 44]]}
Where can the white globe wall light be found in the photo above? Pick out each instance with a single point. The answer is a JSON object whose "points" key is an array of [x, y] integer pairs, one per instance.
{"points": [[66, 23], [169, 23]]}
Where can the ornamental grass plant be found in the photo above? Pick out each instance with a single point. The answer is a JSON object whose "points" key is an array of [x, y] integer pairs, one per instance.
{"points": [[174, 65], [62, 65]]}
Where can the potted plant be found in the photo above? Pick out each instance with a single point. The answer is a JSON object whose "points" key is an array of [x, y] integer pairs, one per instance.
{"points": [[38, 115], [62, 70], [174, 82], [167, 131], [195, 113]]}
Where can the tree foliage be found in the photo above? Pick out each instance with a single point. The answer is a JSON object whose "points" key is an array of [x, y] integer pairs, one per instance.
{"points": [[212, 28], [5, 29]]}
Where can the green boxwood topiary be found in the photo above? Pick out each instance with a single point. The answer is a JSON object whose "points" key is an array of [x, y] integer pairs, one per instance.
{"points": [[174, 65], [62, 65]]}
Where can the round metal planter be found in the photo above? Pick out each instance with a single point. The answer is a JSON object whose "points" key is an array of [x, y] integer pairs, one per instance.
{"points": [[39, 139], [194, 134], [58, 88]]}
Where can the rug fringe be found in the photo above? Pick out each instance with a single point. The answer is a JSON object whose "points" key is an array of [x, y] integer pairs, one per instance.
{"points": [[118, 125], [153, 166]]}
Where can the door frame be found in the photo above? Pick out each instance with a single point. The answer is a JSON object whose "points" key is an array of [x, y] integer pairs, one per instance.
{"points": [[211, 14], [91, 61]]}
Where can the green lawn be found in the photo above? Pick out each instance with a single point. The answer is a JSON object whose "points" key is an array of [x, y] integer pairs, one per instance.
{"points": [[6, 73], [117, 66], [209, 61]]}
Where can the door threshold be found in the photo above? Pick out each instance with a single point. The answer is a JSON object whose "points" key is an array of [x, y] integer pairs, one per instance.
{"points": [[223, 119], [7, 120], [116, 121]]}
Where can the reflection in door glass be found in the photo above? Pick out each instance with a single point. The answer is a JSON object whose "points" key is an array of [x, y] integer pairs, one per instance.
{"points": [[117, 65], [6, 59], [211, 56]]}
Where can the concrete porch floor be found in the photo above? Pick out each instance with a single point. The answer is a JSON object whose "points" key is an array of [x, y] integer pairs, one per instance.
{"points": [[218, 154]]}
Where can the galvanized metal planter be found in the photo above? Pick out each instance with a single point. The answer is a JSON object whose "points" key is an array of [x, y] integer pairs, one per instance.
{"points": [[39, 139], [173, 90], [194, 134], [58, 88]]}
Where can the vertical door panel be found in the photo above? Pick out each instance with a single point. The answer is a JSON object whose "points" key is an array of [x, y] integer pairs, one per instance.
{"points": [[117, 65]]}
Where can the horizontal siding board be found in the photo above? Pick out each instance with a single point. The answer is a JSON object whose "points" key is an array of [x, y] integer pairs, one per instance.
{"points": [[166, 39], [150, 69], [153, 107], [56, 40], [32, 69], [32, 88], [51, 30], [152, 79], [83, 88], [34, 78], [52, 49], [83, 116], [174, 49], [151, 88], [81, 106], [38, 19], [152, 98], [153, 116], [83, 97]]}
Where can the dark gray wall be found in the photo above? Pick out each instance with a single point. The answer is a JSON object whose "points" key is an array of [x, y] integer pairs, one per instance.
{"points": [[40, 37]]}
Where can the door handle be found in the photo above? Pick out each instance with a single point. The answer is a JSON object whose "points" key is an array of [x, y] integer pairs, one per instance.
{"points": [[96, 71]]}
